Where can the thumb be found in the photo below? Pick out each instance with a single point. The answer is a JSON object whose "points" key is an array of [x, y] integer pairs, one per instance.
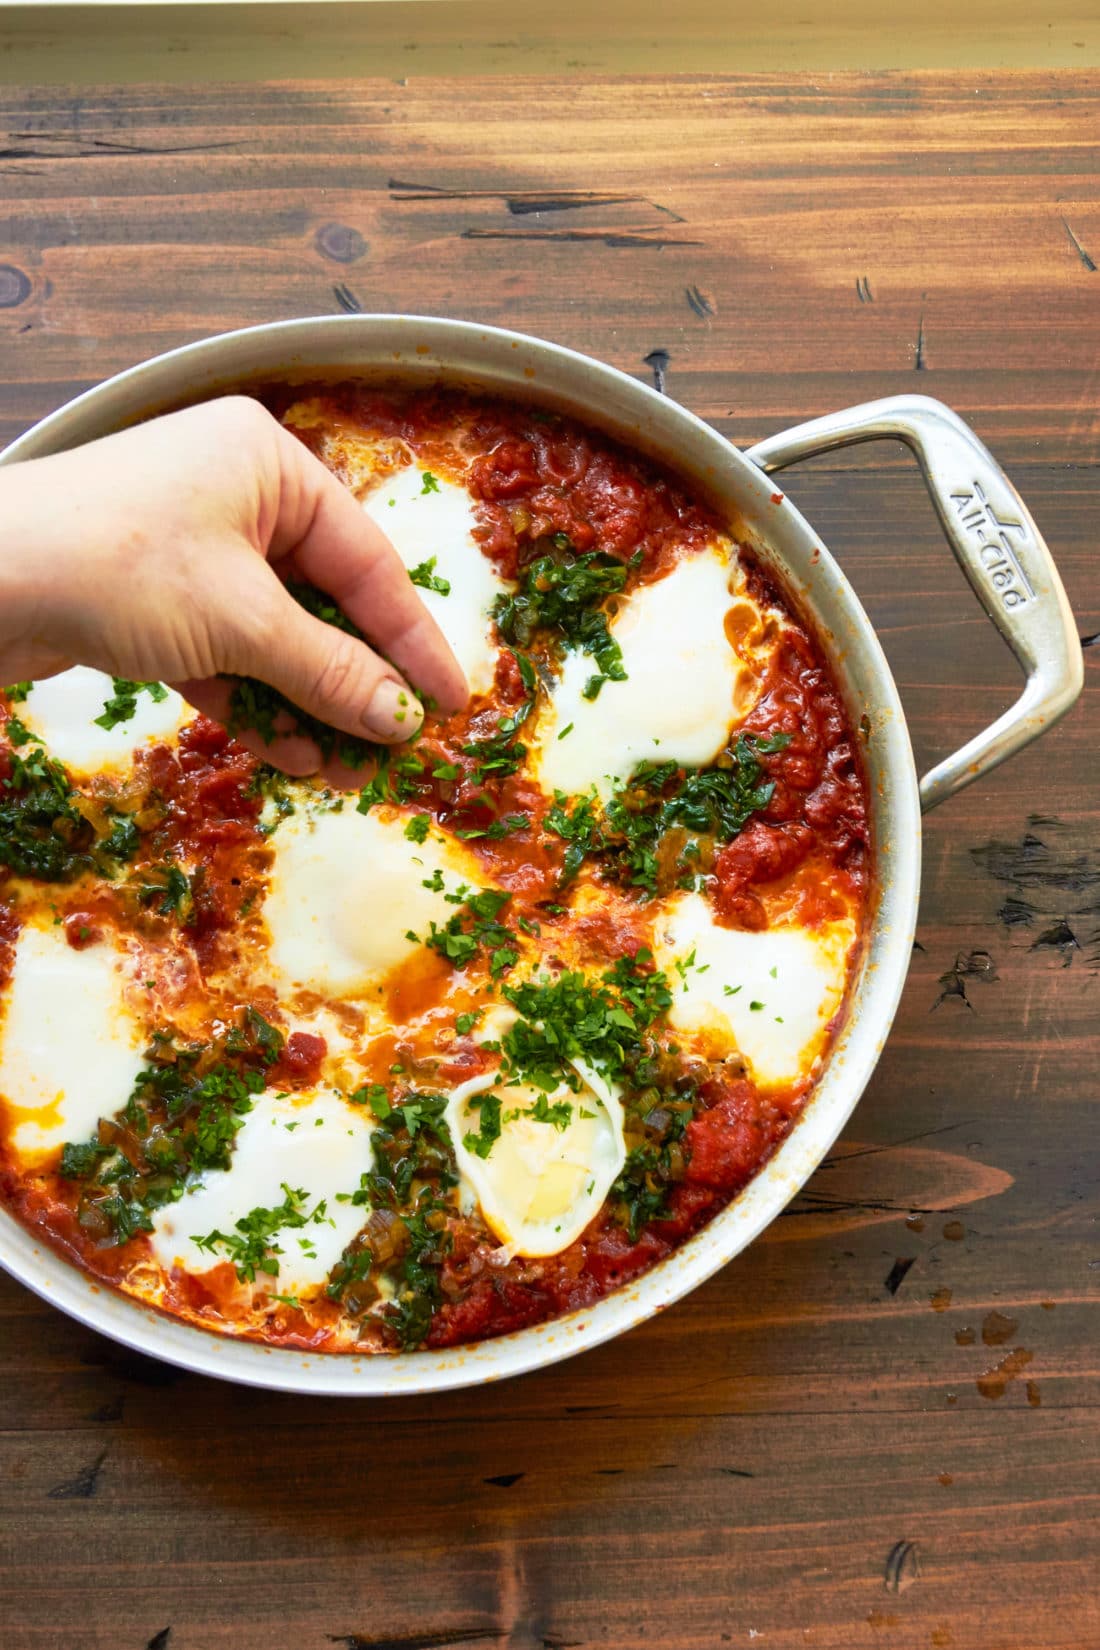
{"points": [[326, 672]]}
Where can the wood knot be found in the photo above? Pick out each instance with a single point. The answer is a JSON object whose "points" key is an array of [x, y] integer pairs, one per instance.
{"points": [[15, 286], [340, 242]]}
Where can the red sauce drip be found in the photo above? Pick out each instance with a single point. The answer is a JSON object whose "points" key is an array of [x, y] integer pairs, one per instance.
{"points": [[210, 818], [9, 933], [300, 1061], [81, 930], [818, 806]]}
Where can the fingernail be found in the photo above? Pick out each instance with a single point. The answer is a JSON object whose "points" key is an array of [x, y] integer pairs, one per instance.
{"points": [[393, 712]]}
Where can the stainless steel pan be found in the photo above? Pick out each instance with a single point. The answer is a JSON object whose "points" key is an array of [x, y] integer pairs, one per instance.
{"points": [[1009, 568]]}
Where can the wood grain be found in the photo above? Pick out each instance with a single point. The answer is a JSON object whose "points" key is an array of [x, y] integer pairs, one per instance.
{"points": [[245, 41], [801, 1453]]}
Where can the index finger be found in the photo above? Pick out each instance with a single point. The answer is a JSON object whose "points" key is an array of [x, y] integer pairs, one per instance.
{"points": [[335, 545]]}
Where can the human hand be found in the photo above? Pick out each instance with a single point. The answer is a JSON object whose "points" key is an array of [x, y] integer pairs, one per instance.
{"points": [[160, 553]]}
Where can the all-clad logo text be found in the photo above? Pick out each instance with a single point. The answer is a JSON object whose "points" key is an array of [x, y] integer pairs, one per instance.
{"points": [[996, 550]]}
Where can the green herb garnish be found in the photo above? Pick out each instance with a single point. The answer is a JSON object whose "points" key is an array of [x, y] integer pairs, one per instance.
{"points": [[426, 577], [122, 704], [474, 928], [181, 1120], [488, 1133], [166, 890], [563, 592], [625, 835], [42, 832], [251, 1245], [574, 1017]]}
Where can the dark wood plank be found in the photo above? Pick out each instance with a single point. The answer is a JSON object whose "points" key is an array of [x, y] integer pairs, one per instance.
{"points": [[145, 219], [743, 1469]]}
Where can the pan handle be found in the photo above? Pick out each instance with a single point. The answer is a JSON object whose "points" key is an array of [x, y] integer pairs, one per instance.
{"points": [[998, 547]]}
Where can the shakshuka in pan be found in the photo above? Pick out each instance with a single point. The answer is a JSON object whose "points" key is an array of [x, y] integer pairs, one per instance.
{"points": [[474, 1044]]}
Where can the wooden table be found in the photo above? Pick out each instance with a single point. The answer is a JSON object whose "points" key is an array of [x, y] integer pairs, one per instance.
{"points": [[878, 1427]]}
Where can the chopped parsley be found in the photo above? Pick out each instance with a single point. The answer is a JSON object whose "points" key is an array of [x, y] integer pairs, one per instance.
{"points": [[408, 1317], [122, 705], [79, 1158], [411, 1142], [655, 1121], [431, 484], [251, 1245], [123, 839], [181, 1120], [500, 754], [255, 1037], [573, 1017], [417, 829], [627, 835], [643, 987], [563, 593], [473, 929], [354, 1267], [166, 890], [557, 1116], [488, 1108], [406, 1238], [43, 832], [399, 776], [640, 1189], [376, 1097], [426, 577], [498, 829], [577, 821]]}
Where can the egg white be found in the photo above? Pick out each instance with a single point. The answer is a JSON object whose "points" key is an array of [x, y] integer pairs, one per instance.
{"points": [[770, 994], [346, 890], [61, 710], [679, 700], [312, 1141], [423, 520], [70, 1049]]}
